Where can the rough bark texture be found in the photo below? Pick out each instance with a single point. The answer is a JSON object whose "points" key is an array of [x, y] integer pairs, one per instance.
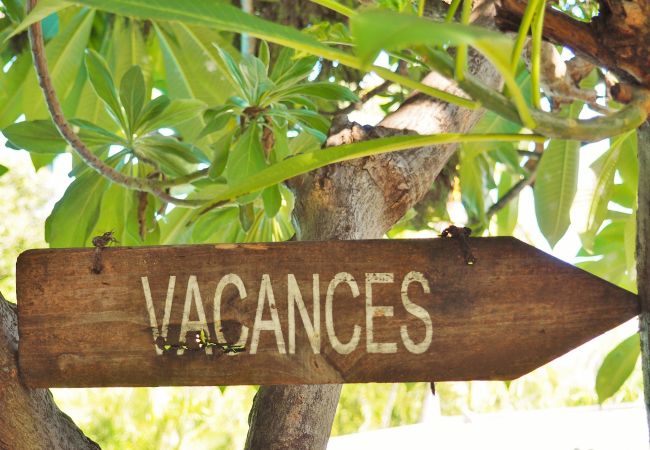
{"points": [[360, 199], [29, 418], [618, 38], [643, 257]]}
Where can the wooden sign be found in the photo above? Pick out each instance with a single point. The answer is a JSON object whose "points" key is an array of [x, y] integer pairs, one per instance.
{"points": [[304, 312]]}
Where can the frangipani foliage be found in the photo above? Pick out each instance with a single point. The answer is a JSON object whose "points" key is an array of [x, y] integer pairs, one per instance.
{"points": [[202, 136]]}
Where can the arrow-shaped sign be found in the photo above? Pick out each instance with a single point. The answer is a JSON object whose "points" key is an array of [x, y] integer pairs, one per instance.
{"points": [[304, 312]]}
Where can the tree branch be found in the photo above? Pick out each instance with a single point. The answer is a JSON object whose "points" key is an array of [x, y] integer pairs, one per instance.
{"points": [[616, 39], [512, 194], [631, 116], [64, 127]]}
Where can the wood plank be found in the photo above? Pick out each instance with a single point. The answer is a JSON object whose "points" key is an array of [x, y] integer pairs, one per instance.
{"points": [[410, 310]]}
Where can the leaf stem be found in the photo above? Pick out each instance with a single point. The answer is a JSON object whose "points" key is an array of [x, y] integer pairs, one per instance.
{"points": [[461, 53], [387, 74], [526, 20], [451, 12], [421, 5], [536, 51]]}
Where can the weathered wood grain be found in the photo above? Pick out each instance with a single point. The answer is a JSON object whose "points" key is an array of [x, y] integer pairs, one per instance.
{"points": [[514, 310]]}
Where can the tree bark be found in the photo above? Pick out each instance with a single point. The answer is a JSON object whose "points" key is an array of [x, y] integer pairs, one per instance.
{"points": [[361, 199], [29, 418], [643, 257]]}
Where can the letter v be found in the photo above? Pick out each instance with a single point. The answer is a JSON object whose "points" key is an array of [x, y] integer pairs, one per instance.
{"points": [[152, 312]]}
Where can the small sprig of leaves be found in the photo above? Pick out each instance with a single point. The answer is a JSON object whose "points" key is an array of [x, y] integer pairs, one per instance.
{"points": [[271, 103]]}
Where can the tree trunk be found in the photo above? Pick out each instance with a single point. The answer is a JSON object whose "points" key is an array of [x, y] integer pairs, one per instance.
{"points": [[643, 256], [360, 199], [29, 418]]}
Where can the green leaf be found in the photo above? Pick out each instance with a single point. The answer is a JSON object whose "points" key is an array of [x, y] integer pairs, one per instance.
{"points": [[15, 10], [93, 135], [272, 200], [15, 82], [74, 216], [170, 145], [629, 245], [232, 71], [50, 25], [221, 225], [300, 100], [3, 170], [41, 136], [376, 30], [118, 213], [151, 111], [92, 108], [617, 367], [175, 227], [221, 150], [122, 48], [173, 157], [555, 187], [264, 54], [175, 113], [256, 81], [42, 9], [132, 94], [605, 170], [38, 136], [624, 194], [281, 141], [127, 48], [247, 156], [328, 91], [21, 93], [217, 123], [628, 163], [193, 66], [246, 216], [310, 120], [473, 186], [608, 241], [303, 143], [288, 71], [507, 217], [102, 81]]}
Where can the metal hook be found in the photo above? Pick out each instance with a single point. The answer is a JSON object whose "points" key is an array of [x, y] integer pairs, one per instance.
{"points": [[461, 234], [101, 242]]}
